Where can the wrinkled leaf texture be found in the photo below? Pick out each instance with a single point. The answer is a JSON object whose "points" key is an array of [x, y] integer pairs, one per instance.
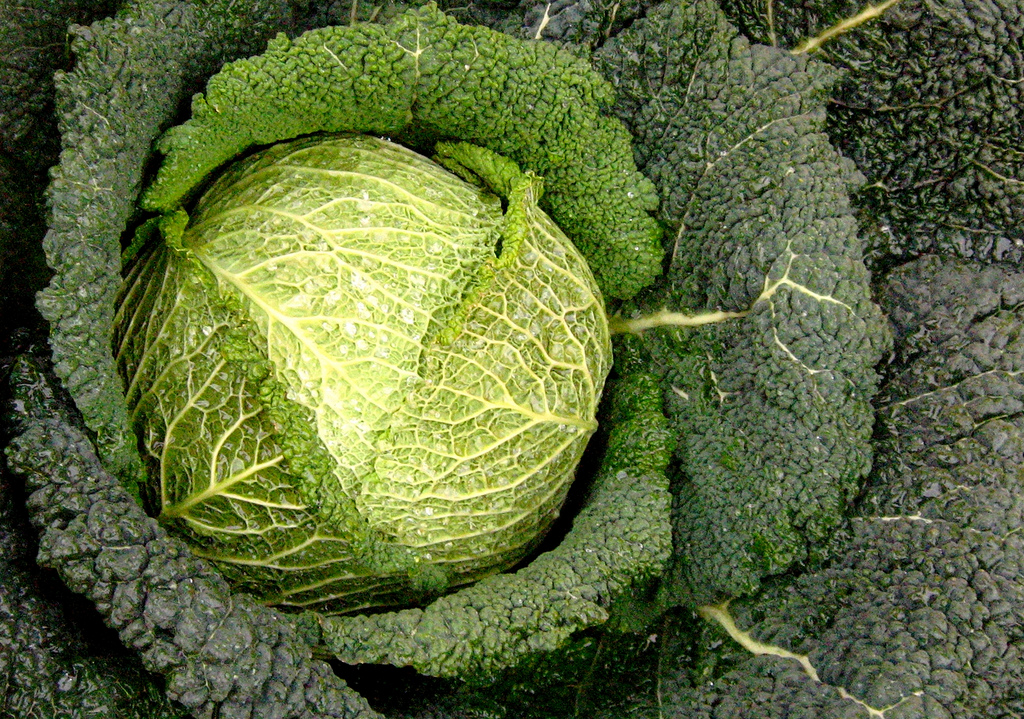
{"points": [[772, 406]]}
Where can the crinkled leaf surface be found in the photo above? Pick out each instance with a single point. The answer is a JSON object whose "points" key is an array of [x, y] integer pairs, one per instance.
{"points": [[111, 107], [917, 612], [131, 77], [56, 657], [930, 109], [425, 73], [769, 388]]}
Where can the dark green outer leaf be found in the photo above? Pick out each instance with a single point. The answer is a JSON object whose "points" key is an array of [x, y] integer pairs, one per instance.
{"points": [[771, 406], [57, 661], [33, 44], [132, 73], [585, 23], [919, 611], [931, 109]]}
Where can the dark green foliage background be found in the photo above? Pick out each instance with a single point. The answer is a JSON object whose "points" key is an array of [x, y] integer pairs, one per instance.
{"points": [[930, 112]]}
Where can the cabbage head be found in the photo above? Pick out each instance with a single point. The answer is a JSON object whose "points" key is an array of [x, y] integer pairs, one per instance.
{"points": [[357, 378]]}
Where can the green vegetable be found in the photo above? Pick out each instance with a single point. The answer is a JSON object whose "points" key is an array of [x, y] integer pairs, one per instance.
{"points": [[52, 663], [574, 586], [758, 343], [354, 377], [913, 609]]}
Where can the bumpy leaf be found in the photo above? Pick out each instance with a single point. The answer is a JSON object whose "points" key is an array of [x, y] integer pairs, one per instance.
{"points": [[56, 660], [131, 73], [768, 335], [425, 73], [917, 612], [930, 109], [32, 48]]}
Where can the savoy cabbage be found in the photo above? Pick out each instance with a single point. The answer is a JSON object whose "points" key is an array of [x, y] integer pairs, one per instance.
{"points": [[343, 388], [800, 579]]}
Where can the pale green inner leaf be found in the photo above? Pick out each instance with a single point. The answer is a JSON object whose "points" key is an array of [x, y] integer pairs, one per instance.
{"points": [[328, 269]]}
